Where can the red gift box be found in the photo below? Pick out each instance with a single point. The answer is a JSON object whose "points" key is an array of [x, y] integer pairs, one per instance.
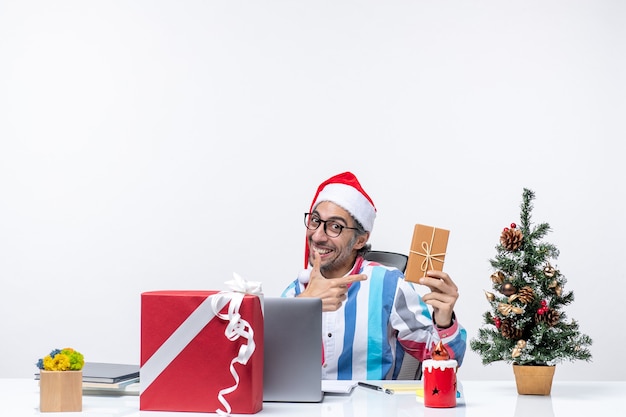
{"points": [[188, 363]]}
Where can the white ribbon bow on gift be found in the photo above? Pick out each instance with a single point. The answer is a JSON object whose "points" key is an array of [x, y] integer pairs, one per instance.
{"points": [[237, 327], [239, 284]]}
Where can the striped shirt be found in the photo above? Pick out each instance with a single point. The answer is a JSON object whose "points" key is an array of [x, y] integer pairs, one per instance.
{"points": [[382, 319]]}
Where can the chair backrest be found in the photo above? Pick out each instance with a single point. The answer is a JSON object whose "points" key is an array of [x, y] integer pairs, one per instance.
{"points": [[399, 260], [411, 368]]}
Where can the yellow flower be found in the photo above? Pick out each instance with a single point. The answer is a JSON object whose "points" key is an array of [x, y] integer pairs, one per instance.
{"points": [[60, 362]]}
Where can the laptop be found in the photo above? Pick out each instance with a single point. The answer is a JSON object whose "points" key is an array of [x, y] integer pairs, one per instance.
{"points": [[292, 369], [109, 373]]}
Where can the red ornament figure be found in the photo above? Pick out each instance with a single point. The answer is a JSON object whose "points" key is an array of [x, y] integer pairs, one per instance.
{"points": [[440, 379]]}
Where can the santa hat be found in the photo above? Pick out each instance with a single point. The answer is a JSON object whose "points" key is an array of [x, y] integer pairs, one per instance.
{"points": [[345, 190]]}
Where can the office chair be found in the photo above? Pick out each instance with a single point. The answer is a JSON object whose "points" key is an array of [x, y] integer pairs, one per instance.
{"points": [[411, 368], [399, 260]]}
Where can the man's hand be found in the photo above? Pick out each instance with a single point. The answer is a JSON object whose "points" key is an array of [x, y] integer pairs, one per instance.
{"points": [[442, 297], [333, 292]]}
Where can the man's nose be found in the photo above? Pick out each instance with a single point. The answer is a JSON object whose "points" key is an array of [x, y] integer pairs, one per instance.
{"points": [[319, 233]]}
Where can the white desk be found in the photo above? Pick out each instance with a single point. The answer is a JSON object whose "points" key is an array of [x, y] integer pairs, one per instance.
{"points": [[20, 397]]}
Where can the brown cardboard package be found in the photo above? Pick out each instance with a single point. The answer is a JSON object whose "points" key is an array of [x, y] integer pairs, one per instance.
{"points": [[428, 251]]}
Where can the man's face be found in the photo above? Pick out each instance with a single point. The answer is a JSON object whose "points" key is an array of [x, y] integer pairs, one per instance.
{"points": [[337, 253]]}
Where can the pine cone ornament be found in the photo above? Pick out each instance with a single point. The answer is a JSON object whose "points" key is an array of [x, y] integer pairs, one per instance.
{"points": [[509, 331], [550, 317], [511, 239], [525, 294]]}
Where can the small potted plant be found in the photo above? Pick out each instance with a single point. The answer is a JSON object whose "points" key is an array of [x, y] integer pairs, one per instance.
{"points": [[61, 381], [527, 324]]}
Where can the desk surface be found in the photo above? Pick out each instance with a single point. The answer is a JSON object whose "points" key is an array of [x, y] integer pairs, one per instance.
{"points": [[20, 397]]}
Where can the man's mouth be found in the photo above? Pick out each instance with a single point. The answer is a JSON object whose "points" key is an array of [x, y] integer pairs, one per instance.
{"points": [[321, 251]]}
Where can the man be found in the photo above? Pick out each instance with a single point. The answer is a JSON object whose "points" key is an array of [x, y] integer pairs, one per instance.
{"points": [[372, 317]]}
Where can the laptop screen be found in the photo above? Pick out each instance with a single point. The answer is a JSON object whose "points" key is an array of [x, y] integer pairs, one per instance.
{"points": [[293, 349]]}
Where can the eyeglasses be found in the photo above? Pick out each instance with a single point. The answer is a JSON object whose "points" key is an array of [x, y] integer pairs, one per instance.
{"points": [[332, 228]]}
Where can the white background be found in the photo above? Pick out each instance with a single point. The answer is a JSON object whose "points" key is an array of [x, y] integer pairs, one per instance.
{"points": [[148, 145]]}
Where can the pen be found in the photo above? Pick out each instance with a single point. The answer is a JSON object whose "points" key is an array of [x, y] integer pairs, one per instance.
{"points": [[375, 387]]}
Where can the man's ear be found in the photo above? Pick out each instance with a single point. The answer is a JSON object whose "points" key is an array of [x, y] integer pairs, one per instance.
{"points": [[362, 240]]}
